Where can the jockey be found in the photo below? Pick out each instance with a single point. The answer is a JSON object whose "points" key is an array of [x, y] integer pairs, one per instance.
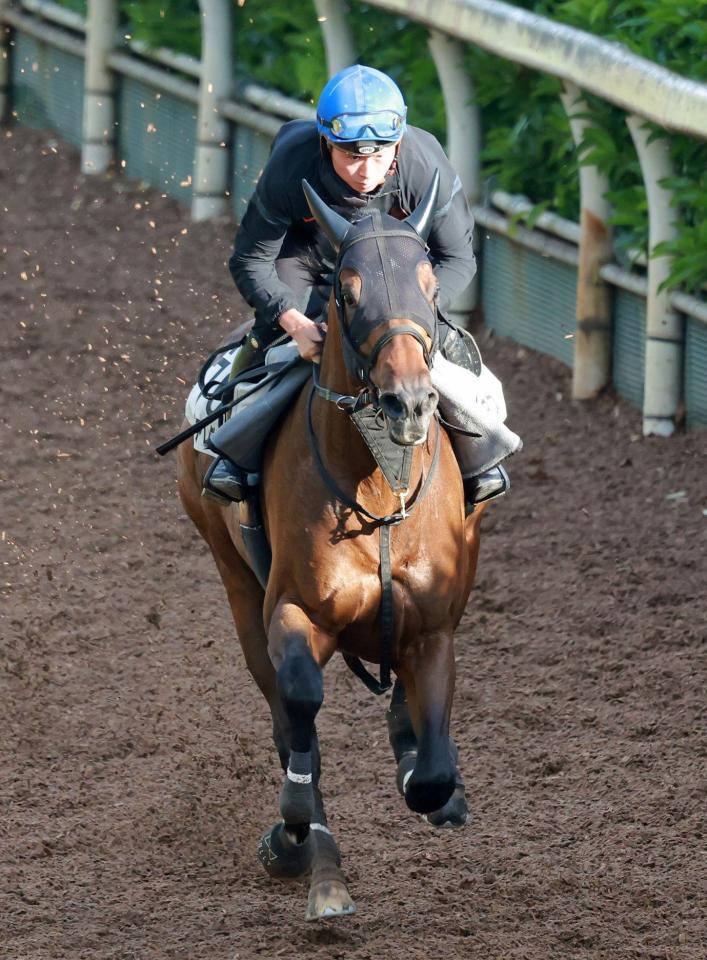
{"points": [[358, 156]]}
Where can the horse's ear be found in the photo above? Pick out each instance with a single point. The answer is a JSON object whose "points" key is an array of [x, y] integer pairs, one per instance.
{"points": [[422, 216], [333, 224]]}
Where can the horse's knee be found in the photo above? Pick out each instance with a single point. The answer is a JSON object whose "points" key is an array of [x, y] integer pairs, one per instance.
{"points": [[301, 687]]}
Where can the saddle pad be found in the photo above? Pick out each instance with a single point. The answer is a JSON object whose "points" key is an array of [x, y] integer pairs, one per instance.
{"points": [[475, 404], [198, 407]]}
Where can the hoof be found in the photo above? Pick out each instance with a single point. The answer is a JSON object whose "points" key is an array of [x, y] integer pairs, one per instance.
{"points": [[281, 856], [428, 796], [454, 814], [329, 899]]}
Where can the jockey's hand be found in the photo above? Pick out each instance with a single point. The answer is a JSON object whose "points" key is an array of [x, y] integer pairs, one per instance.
{"points": [[305, 332]]}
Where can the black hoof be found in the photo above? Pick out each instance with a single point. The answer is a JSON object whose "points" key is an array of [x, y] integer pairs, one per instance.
{"points": [[454, 814], [283, 857], [428, 796]]}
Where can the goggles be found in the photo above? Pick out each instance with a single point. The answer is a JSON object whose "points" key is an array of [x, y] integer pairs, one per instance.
{"points": [[384, 125]]}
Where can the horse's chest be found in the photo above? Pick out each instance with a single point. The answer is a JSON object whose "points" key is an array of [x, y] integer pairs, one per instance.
{"points": [[352, 591]]}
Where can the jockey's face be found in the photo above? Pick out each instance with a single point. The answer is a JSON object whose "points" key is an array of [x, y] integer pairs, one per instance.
{"points": [[363, 174]]}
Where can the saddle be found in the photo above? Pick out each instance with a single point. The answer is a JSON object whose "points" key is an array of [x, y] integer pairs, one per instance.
{"points": [[261, 400]]}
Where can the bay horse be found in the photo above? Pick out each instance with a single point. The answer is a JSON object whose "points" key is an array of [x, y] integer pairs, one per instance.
{"points": [[326, 508]]}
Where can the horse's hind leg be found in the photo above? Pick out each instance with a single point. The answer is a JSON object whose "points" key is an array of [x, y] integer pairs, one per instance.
{"points": [[427, 672], [401, 733]]}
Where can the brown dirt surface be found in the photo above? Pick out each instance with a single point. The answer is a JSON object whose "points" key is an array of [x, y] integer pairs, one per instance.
{"points": [[137, 771]]}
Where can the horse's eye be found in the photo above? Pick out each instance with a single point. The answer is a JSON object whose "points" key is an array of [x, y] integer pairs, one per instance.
{"points": [[349, 298]]}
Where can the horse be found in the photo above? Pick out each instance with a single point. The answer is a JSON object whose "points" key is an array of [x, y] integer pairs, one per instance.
{"points": [[350, 555]]}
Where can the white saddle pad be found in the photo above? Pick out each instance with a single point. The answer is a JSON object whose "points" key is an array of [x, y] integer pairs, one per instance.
{"points": [[198, 407], [476, 404]]}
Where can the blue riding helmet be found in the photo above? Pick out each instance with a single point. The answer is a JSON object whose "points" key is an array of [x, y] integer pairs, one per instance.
{"points": [[361, 108]]}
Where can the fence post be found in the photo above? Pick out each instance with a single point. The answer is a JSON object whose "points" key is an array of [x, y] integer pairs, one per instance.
{"points": [[97, 147], [5, 65], [336, 33], [662, 387], [592, 345], [211, 162], [463, 130]]}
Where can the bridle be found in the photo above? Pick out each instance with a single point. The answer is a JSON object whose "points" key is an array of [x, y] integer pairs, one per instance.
{"points": [[352, 335]]}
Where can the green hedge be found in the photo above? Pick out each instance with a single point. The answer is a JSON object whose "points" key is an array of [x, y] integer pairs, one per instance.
{"points": [[527, 146]]}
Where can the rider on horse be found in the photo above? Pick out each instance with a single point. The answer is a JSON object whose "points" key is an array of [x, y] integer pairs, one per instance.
{"points": [[359, 156]]}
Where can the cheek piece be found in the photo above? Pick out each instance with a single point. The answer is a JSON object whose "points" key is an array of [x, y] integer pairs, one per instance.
{"points": [[381, 249]]}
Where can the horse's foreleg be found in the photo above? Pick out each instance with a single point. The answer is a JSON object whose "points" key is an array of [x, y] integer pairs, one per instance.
{"points": [[301, 690], [401, 733], [328, 895], [428, 673], [287, 849]]}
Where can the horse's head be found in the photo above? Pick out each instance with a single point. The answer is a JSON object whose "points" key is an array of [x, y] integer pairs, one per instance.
{"points": [[385, 291]]}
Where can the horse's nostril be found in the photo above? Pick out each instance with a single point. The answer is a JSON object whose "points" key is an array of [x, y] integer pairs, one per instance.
{"points": [[427, 404], [392, 406]]}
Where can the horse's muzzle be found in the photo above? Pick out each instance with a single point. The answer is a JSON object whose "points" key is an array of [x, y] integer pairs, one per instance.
{"points": [[408, 412]]}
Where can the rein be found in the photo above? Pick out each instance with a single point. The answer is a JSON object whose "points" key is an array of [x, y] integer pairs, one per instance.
{"points": [[347, 403], [384, 523]]}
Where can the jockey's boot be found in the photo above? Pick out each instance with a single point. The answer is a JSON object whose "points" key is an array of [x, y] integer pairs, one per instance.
{"points": [[485, 486], [224, 482]]}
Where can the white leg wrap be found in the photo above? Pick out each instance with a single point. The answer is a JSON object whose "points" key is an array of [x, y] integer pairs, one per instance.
{"points": [[320, 827], [299, 777]]}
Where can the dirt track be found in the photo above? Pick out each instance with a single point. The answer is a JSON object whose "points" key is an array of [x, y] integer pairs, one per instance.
{"points": [[138, 772]]}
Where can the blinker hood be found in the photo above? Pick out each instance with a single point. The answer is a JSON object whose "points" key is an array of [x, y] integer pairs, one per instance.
{"points": [[385, 253]]}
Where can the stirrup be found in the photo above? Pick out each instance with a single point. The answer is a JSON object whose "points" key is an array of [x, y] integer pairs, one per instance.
{"points": [[224, 483], [486, 486]]}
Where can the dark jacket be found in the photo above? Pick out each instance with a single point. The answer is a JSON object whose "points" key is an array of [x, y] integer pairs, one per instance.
{"points": [[278, 218]]}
